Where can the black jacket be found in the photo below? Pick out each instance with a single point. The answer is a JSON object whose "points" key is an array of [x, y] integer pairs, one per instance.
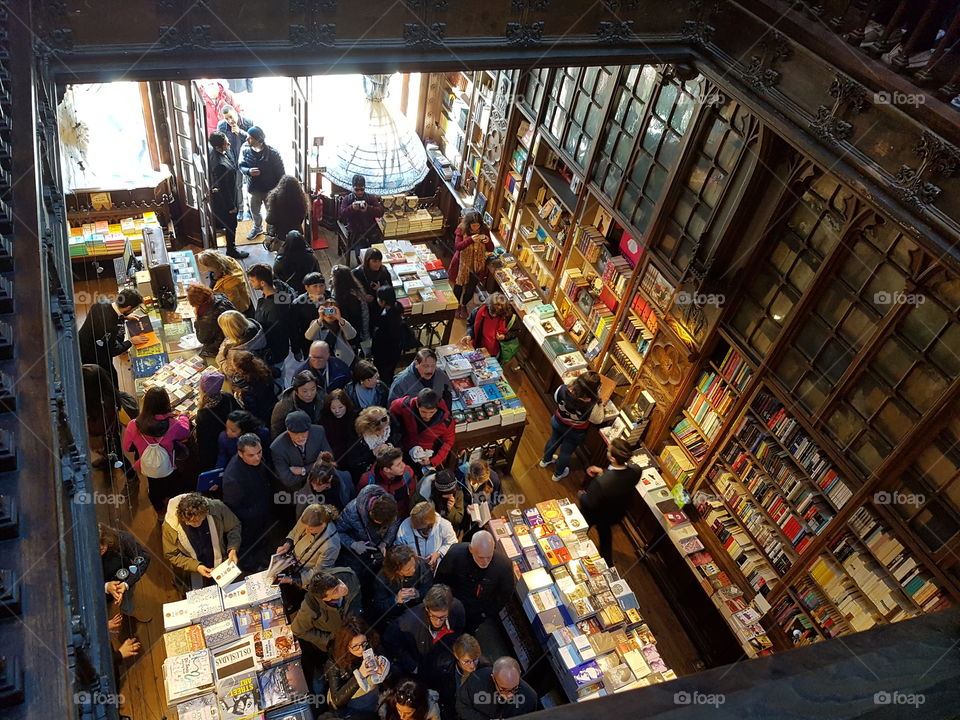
{"points": [[291, 269], [477, 698], [411, 646], [385, 591], [483, 591], [102, 336], [225, 192], [303, 312], [210, 422], [343, 685], [273, 314], [123, 557], [206, 325], [609, 496], [382, 277], [268, 161]]}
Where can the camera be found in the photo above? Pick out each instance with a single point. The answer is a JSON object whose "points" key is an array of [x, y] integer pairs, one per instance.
{"points": [[329, 311], [362, 204]]}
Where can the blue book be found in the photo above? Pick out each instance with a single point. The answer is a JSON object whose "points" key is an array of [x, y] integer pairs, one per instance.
{"points": [[208, 479]]}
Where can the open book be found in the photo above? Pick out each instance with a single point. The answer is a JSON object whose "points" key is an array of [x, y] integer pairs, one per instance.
{"points": [[278, 563], [479, 513]]}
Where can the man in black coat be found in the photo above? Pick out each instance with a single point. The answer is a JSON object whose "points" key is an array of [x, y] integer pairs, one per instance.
{"points": [[226, 198], [273, 311], [480, 577], [263, 167], [248, 492], [496, 692], [102, 335], [295, 451], [418, 638], [609, 495]]}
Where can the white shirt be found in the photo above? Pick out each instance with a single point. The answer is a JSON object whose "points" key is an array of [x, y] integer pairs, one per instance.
{"points": [[441, 537]]}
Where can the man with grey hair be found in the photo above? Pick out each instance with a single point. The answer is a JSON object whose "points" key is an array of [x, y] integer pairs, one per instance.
{"points": [[479, 576], [248, 492], [330, 372], [496, 692]]}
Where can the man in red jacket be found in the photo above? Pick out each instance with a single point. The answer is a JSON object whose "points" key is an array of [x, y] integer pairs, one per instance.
{"points": [[427, 428]]}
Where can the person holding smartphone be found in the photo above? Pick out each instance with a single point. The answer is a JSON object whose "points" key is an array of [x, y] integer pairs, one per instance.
{"points": [[360, 211], [468, 267], [331, 327], [372, 275], [354, 670]]}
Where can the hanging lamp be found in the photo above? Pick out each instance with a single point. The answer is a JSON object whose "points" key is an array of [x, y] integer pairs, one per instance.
{"points": [[383, 148]]}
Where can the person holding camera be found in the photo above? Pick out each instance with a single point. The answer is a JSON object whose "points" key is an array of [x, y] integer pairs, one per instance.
{"points": [[304, 311], [123, 561], [313, 545], [354, 670], [403, 582], [360, 212], [413, 640], [468, 267], [331, 327], [351, 300]]}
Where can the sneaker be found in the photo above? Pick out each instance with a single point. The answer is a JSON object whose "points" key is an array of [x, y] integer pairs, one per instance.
{"points": [[238, 254], [547, 463], [254, 233], [561, 476]]}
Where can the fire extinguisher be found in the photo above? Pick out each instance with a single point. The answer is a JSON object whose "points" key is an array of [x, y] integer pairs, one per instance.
{"points": [[316, 214]]}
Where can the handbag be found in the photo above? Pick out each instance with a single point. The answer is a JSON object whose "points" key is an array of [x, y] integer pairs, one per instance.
{"points": [[408, 339], [511, 346]]}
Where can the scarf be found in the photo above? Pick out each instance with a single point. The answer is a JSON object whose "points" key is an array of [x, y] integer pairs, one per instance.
{"points": [[473, 259]]}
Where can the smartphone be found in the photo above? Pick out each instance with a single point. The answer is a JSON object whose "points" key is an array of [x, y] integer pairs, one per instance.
{"points": [[369, 658]]}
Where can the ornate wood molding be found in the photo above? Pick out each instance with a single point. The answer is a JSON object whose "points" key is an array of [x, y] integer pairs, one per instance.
{"points": [[615, 32], [761, 72], [937, 158], [699, 31], [521, 35], [830, 124], [420, 35]]}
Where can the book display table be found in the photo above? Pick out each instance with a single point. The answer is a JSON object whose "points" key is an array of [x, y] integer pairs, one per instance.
{"points": [[580, 612], [230, 654]]}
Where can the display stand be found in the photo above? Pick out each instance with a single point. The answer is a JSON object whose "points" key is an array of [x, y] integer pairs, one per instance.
{"points": [[498, 445]]}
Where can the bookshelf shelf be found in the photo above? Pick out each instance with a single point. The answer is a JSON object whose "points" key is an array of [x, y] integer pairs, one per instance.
{"points": [[558, 186], [545, 266], [551, 233]]}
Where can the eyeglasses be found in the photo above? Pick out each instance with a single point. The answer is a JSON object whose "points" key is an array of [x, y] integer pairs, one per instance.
{"points": [[505, 691], [438, 618], [359, 646], [468, 661], [382, 421]]}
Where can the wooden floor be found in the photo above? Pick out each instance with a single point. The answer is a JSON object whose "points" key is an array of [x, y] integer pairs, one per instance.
{"points": [[142, 685]]}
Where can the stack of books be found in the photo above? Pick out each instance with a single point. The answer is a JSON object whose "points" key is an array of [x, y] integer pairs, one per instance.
{"points": [[675, 462]]}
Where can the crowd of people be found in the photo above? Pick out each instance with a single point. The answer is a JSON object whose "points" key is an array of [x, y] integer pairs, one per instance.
{"points": [[345, 471]]}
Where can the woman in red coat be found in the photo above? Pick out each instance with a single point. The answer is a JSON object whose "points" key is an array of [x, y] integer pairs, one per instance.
{"points": [[490, 323], [471, 243]]}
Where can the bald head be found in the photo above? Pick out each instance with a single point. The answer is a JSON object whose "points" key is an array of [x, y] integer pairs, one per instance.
{"points": [[481, 548], [506, 675], [319, 355]]}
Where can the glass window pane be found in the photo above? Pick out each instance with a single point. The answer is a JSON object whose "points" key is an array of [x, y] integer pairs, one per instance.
{"points": [[945, 353], [923, 387], [844, 425], [893, 422], [658, 176], [893, 361], [714, 187], [668, 94], [669, 149], [922, 324], [682, 113], [651, 139]]}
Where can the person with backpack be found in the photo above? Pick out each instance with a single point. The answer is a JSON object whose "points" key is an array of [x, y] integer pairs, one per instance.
{"points": [[154, 437], [578, 405]]}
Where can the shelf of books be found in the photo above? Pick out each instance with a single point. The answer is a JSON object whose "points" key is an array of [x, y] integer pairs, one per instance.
{"points": [[457, 96], [710, 401], [739, 598], [230, 653]]}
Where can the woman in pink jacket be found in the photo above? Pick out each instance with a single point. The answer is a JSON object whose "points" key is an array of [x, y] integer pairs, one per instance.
{"points": [[156, 424]]}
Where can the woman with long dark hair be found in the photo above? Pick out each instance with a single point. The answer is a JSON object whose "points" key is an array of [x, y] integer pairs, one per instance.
{"points": [[287, 207], [157, 424], [240, 422], [349, 296], [468, 267], [338, 416], [295, 261], [353, 681], [372, 275], [252, 382], [388, 333], [409, 700]]}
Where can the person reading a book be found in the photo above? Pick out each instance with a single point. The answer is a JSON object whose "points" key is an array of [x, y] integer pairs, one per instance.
{"points": [[480, 576], [482, 493], [198, 535], [468, 267], [355, 670], [605, 501], [578, 406], [415, 640], [403, 582], [429, 534]]}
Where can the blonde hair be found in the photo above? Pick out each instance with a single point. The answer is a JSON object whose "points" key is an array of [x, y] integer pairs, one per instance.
{"points": [[479, 470], [422, 514], [368, 421], [234, 324], [213, 260], [316, 514]]}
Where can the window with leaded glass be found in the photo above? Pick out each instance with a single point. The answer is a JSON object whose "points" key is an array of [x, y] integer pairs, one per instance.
{"points": [[910, 369], [927, 496], [667, 121], [563, 93], [713, 163], [575, 108], [620, 134], [845, 315], [534, 88], [796, 253]]}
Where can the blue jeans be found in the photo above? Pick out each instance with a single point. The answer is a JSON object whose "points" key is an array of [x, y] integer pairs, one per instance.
{"points": [[566, 439]]}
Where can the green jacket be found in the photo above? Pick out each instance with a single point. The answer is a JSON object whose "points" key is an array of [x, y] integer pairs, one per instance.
{"points": [[316, 621], [226, 529]]}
